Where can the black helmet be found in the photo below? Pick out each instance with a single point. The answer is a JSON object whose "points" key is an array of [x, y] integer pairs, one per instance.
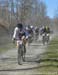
{"points": [[19, 25]]}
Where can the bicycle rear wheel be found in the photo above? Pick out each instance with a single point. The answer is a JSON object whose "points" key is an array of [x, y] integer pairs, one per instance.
{"points": [[20, 55]]}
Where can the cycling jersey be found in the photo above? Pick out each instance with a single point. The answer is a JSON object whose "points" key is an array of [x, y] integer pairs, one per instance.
{"points": [[18, 33]]}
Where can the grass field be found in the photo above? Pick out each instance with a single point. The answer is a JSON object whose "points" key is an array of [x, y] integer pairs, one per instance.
{"points": [[6, 44], [49, 64]]}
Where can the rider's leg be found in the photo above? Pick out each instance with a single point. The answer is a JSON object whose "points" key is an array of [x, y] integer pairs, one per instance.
{"points": [[19, 52], [24, 53]]}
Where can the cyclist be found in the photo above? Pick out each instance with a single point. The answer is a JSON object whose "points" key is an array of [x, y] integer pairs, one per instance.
{"points": [[19, 33], [29, 33], [46, 33], [36, 32], [45, 29]]}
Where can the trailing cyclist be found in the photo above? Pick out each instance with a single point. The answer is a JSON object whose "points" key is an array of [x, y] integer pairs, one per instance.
{"points": [[36, 32], [29, 30], [45, 32]]}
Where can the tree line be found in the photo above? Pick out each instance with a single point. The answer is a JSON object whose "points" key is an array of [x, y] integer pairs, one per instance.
{"points": [[29, 12]]}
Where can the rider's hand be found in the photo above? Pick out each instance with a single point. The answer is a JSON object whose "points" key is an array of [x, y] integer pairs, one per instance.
{"points": [[13, 40]]}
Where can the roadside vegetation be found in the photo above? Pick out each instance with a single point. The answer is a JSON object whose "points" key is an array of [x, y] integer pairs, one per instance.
{"points": [[6, 47], [5, 44], [49, 64]]}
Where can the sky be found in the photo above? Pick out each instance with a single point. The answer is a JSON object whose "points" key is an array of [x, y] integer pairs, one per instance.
{"points": [[51, 7]]}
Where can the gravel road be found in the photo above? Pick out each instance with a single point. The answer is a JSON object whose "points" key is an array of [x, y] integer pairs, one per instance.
{"points": [[8, 60]]}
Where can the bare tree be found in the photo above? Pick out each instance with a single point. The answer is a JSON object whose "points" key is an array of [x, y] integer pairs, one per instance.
{"points": [[25, 11], [39, 13], [25, 8]]}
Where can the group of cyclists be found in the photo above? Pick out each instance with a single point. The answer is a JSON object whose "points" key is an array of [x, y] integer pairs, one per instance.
{"points": [[22, 35], [45, 32]]}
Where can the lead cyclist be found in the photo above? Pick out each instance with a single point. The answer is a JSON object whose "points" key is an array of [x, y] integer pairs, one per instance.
{"points": [[20, 37]]}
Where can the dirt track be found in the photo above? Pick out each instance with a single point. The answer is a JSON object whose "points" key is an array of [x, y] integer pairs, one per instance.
{"points": [[8, 60]]}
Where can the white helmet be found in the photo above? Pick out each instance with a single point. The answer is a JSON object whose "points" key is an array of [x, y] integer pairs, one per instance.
{"points": [[31, 27], [26, 28]]}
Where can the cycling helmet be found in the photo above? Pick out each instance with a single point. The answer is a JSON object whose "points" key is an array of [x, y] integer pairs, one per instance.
{"points": [[31, 27], [26, 28], [19, 25]]}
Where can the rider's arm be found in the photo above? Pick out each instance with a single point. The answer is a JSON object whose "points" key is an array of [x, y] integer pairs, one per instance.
{"points": [[15, 34]]}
